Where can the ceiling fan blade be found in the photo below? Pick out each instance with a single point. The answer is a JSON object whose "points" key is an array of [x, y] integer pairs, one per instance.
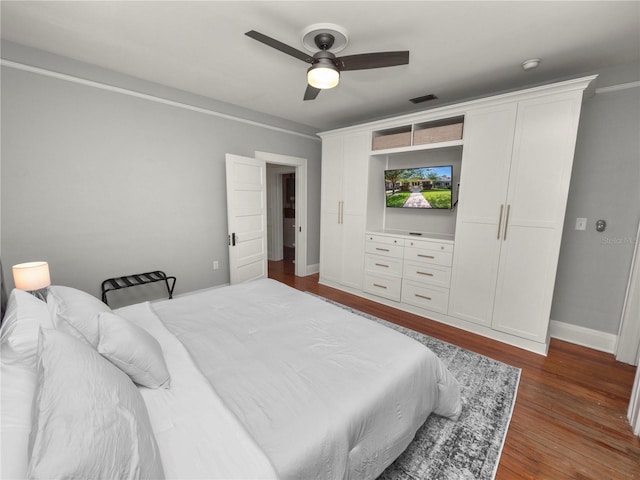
{"points": [[372, 60], [278, 45], [311, 92]]}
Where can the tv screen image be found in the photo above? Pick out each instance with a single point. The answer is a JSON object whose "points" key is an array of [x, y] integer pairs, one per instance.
{"points": [[424, 187]]}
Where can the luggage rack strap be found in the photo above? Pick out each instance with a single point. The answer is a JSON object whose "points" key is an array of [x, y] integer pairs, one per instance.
{"points": [[116, 283]]}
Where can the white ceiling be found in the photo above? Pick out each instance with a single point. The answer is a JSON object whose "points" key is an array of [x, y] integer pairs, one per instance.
{"points": [[458, 49]]}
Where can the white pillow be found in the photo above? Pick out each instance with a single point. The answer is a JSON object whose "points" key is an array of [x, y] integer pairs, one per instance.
{"points": [[89, 418], [133, 350], [76, 312], [19, 333]]}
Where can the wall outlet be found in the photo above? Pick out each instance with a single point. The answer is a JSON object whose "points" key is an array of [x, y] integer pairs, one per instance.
{"points": [[216, 265], [581, 223]]}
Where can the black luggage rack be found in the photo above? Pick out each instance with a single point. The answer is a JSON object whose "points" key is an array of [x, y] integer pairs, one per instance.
{"points": [[117, 283]]}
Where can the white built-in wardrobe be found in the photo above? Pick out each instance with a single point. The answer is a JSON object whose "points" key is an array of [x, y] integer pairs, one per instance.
{"points": [[487, 265]]}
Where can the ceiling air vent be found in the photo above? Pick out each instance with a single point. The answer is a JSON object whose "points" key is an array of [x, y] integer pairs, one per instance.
{"points": [[424, 98]]}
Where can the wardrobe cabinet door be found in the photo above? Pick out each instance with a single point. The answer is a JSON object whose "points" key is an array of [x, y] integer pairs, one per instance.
{"points": [[355, 173], [332, 174], [486, 158], [352, 254], [545, 137], [345, 167], [330, 248]]}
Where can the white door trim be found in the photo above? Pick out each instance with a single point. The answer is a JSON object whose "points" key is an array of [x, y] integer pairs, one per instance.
{"points": [[275, 218], [633, 414], [628, 345], [300, 165]]}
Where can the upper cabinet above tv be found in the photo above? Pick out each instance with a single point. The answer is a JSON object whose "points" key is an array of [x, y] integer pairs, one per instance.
{"points": [[407, 129], [419, 136]]}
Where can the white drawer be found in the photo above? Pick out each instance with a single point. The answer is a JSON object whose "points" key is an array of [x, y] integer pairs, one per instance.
{"points": [[370, 237], [422, 255], [426, 273], [383, 265], [428, 297], [430, 245], [383, 286], [386, 249]]}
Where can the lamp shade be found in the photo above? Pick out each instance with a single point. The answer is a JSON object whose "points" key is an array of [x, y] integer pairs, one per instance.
{"points": [[323, 76], [31, 276]]}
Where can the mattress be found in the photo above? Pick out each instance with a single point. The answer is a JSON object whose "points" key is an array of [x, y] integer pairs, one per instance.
{"points": [[323, 392]]}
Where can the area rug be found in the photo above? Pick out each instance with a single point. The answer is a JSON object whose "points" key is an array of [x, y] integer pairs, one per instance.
{"points": [[469, 448]]}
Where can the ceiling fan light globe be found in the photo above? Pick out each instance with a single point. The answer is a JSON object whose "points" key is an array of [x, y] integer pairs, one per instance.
{"points": [[323, 77]]}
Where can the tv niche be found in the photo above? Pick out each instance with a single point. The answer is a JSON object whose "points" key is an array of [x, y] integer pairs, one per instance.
{"points": [[419, 188]]}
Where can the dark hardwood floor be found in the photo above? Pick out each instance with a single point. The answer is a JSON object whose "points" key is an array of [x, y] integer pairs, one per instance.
{"points": [[570, 417]]}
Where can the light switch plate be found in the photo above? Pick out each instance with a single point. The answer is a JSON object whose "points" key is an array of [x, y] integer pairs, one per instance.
{"points": [[581, 223]]}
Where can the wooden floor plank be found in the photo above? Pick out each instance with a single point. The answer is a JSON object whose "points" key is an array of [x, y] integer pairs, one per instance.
{"points": [[569, 420]]}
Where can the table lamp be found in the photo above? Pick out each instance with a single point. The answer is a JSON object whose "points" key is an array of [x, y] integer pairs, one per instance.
{"points": [[32, 277]]}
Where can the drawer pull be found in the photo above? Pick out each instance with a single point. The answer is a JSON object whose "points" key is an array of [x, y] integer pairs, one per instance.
{"points": [[382, 249], [425, 273], [425, 256], [422, 296], [382, 265], [379, 286]]}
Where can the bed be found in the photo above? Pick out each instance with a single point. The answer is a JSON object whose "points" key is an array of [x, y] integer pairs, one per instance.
{"points": [[256, 380]]}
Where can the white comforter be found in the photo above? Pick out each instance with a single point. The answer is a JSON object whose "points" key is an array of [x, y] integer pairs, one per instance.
{"points": [[325, 393], [197, 435]]}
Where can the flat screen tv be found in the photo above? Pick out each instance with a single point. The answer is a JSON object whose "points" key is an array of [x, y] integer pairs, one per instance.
{"points": [[419, 188]]}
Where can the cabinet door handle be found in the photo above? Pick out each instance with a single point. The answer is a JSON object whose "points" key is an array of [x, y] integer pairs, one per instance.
{"points": [[500, 221], [382, 265], [382, 249], [425, 273], [506, 222], [341, 212], [425, 256], [422, 296], [379, 286]]}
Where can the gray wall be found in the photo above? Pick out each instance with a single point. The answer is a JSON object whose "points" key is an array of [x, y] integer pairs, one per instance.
{"points": [[605, 184], [102, 184]]}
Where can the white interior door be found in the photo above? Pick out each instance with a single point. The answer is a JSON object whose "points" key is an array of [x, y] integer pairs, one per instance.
{"points": [[247, 218]]}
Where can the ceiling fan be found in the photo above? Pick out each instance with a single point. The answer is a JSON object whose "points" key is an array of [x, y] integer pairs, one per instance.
{"points": [[325, 68]]}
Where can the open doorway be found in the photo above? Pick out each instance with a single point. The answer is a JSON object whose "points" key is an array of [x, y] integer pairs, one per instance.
{"points": [[286, 211], [289, 217], [281, 213]]}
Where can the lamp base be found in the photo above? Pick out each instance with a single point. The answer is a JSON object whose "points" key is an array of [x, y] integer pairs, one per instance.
{"points": [[40, 294]]}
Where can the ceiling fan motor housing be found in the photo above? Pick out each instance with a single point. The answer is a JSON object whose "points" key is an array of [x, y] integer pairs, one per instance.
{"points": [[324, 41], [325, 57]]}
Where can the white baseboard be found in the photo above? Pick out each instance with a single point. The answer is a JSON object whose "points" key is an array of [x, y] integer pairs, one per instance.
{"points": [[605, 342], [311, 269]]}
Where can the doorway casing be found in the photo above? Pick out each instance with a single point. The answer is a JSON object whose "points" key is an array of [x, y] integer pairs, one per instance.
{"points": [[300, 165]]}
